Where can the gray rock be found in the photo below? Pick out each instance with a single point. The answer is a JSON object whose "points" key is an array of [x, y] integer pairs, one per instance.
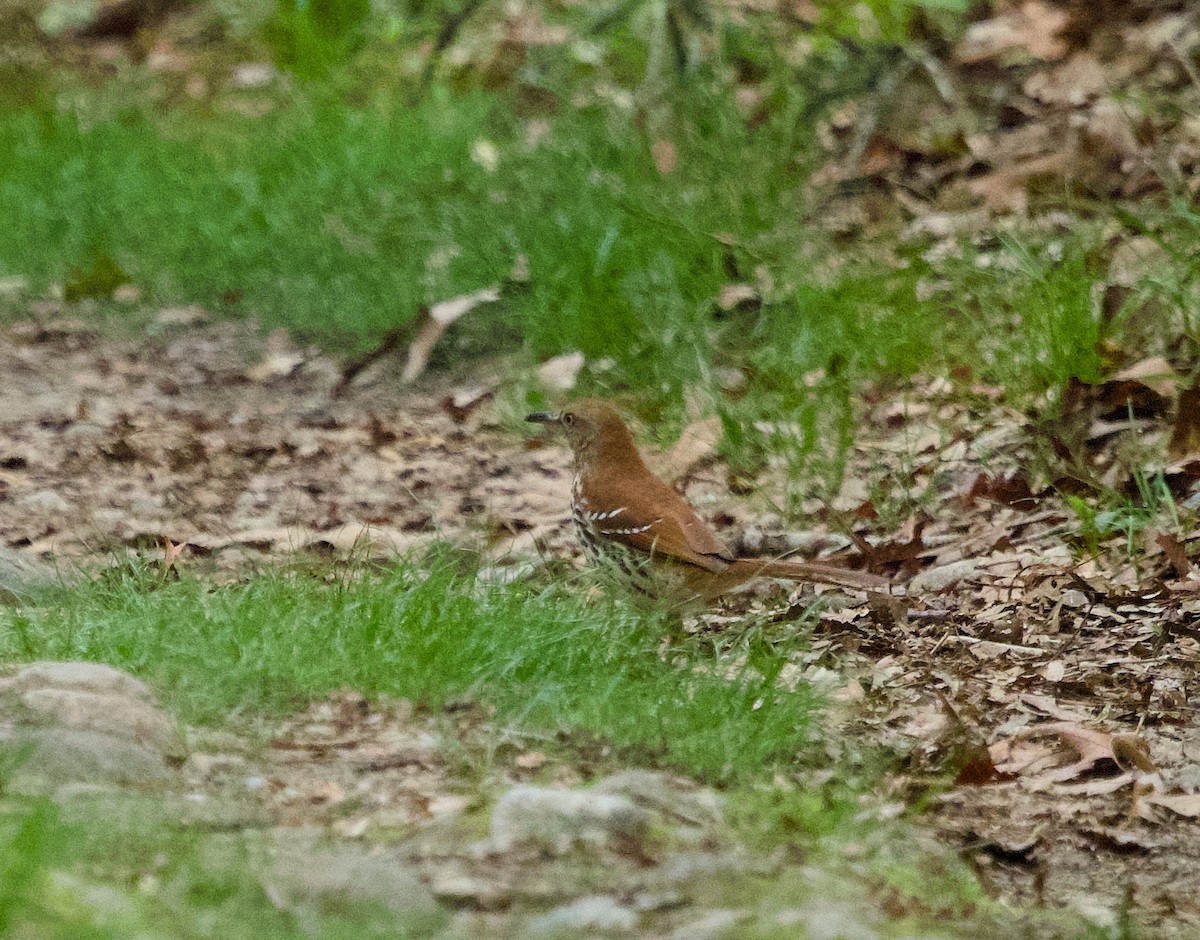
{"points": [[53, 757], [676, 799], [307, 872], [225, 813], [21, 573], [89, 697], [85, 723], [711, 925], [558, 820], [943, 577], [79, 676], [830, 920], [44, 501], [679, 868], [204, 768], [117, 715], [598, 912], [460, 888]]}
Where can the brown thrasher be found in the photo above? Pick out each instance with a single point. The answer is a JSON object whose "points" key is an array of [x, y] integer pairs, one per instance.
{"points": [[627, 517]]}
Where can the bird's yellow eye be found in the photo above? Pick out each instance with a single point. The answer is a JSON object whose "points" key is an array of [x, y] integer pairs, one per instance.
{"points": [[568, 418]]}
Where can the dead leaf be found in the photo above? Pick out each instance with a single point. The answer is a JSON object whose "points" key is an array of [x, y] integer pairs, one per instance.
{"points": [[979, 769], [559, 374], [1136, 259], [1031, 29], [1185, 434], [275, 366], [737, 297], [1156, 373], [1010, 489], [171, 553], [530, 760], [434, 323], [466, 401], [1074, 83], [696, 444], [1176, 553], [1130, 753], [666, 156], [1120, 840], [1182, 804], [1127, 752]]}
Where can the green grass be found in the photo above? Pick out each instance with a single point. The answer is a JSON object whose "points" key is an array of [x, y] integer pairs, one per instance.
{"points": [[124, 869], [543, 659], [338, 220]]}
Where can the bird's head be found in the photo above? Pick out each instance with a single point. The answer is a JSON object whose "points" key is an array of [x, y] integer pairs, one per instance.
{"points": [[589, 426]]}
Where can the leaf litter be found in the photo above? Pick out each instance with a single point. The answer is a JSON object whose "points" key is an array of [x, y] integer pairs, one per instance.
{"points": [[1043, 692]]}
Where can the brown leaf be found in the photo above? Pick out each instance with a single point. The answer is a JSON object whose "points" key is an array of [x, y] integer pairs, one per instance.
{"points": [[437, 318], [171, 553], [1127, 752], [733, 297], [1074, 83], [696, 444], [1182, 804], [666, 156], [1176, 553], [1010, 489], [559, 374], [1130, 753], [1155, 373], [466, 401], [1031, 29], [1185, 435], [979, 769], [906, 554]]}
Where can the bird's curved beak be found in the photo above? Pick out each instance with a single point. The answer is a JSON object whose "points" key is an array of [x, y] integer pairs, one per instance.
{"points": [[543, 417]]}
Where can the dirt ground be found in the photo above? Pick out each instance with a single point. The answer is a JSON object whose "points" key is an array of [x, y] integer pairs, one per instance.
{"points": [[1042, 693]]}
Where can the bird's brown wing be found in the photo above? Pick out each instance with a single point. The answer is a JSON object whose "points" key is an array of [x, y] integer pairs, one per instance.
{"points": [[649, 516]]}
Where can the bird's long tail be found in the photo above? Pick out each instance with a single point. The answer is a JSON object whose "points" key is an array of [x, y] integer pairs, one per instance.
{"points": [[811, 571]]}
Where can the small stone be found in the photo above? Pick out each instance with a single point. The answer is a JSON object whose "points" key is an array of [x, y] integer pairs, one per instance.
{"points": [[180, 316], [459, 888], [448, 804], [943, 577], [58, 756], [598, 912], [207, 766], [21, 572], [78, 676], [710, 926], [13, 286], [254, 75], [43, 501], [676, 799], [305, 872], [557, 820], [828, 920], [118, 716], [559, 374]]}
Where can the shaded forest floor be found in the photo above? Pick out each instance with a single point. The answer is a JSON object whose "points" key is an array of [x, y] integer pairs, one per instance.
{"points": [[1030, 688], [917, 297]]}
